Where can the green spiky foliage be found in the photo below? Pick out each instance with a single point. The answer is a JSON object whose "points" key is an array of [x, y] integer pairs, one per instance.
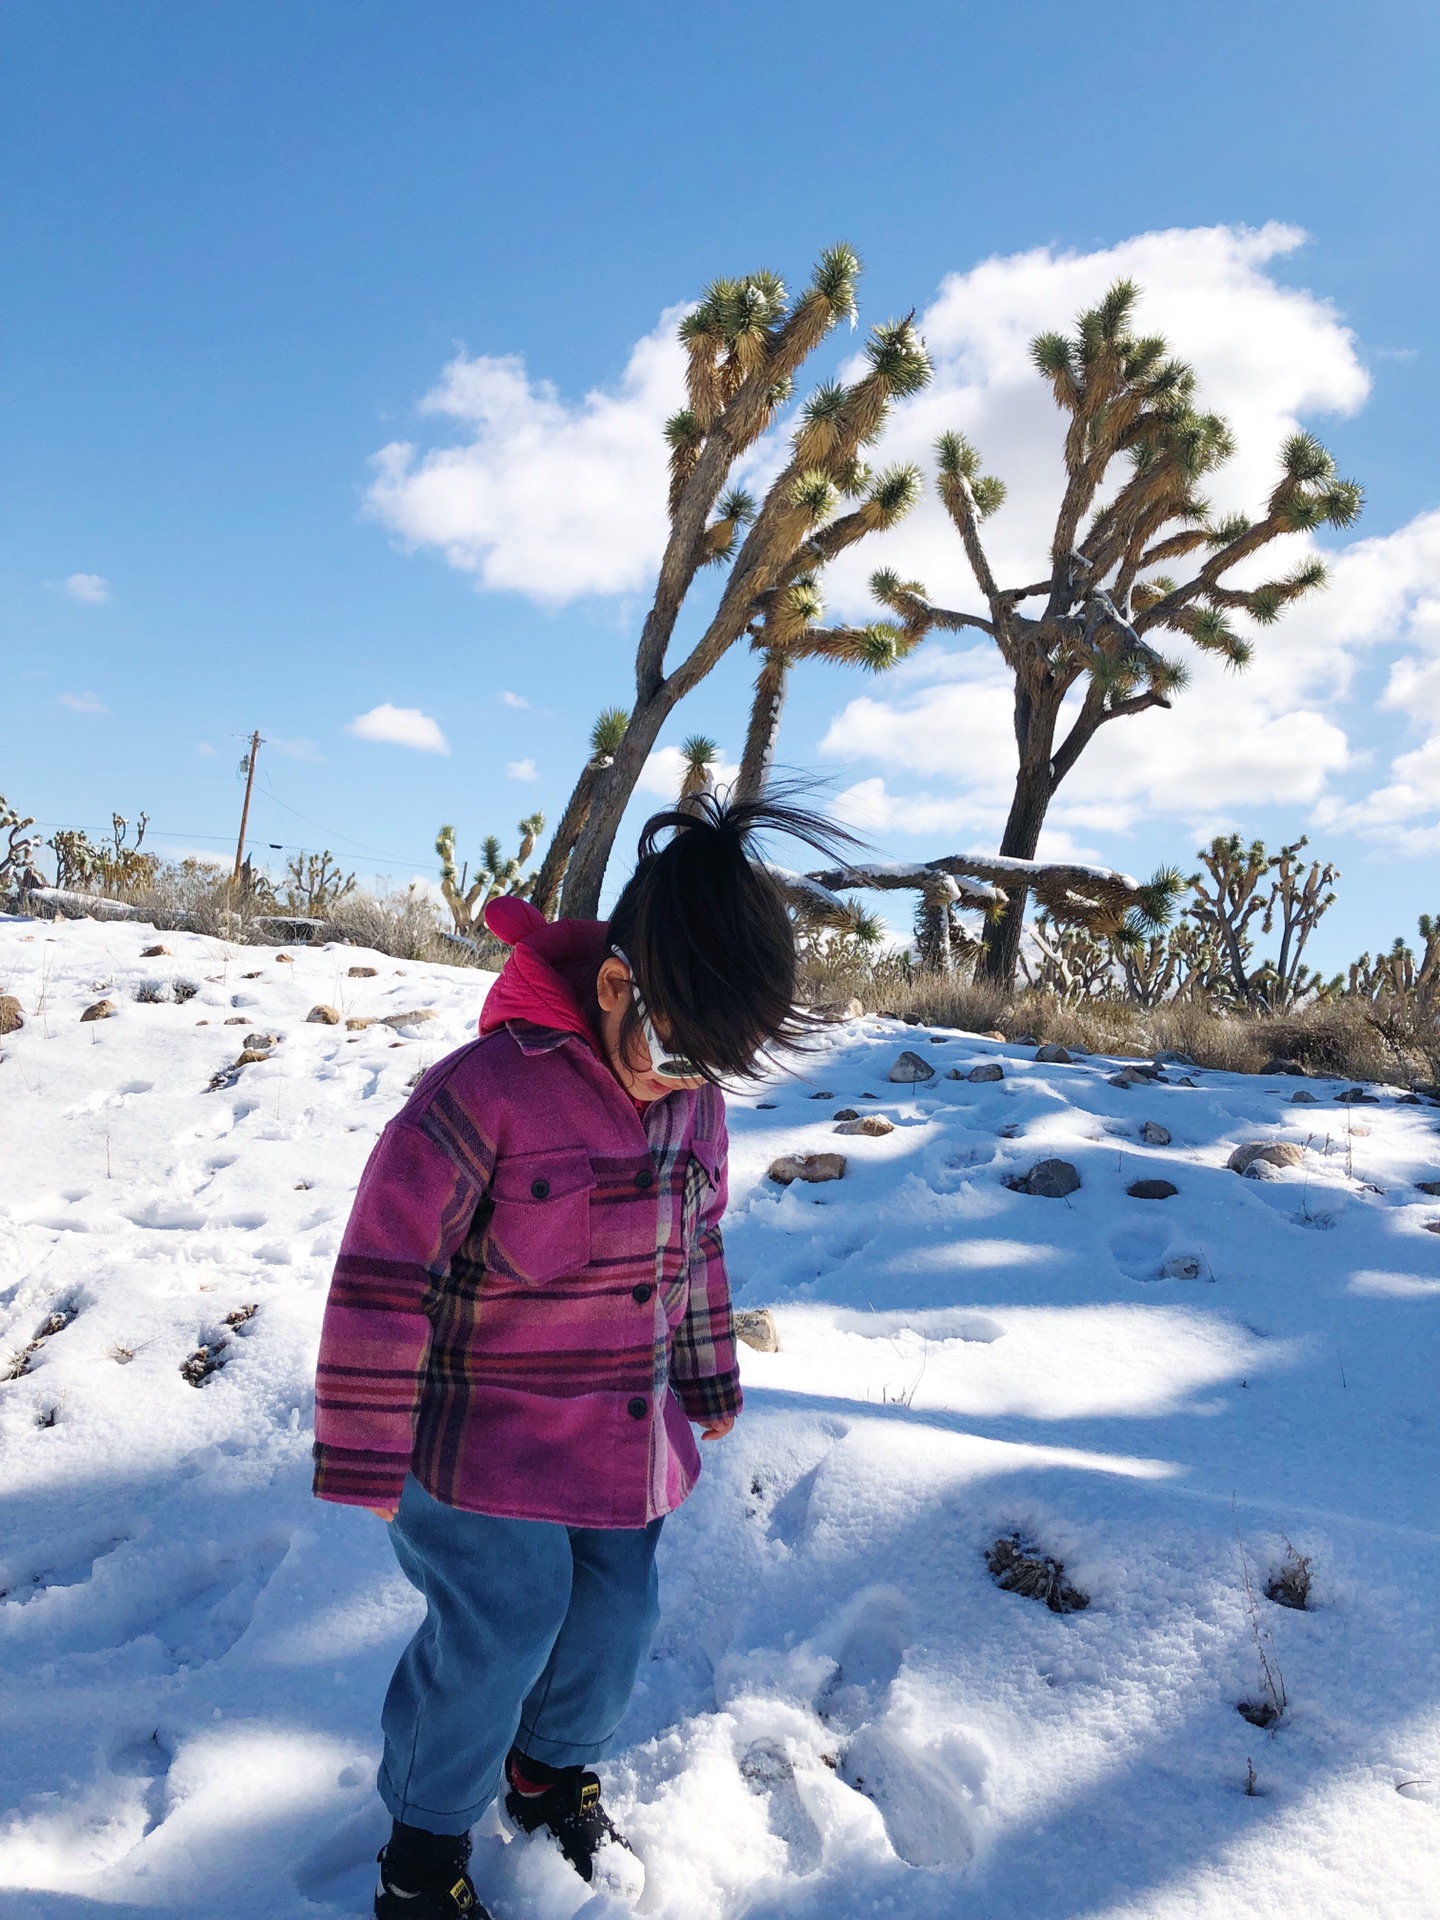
{"points": [[745, 341], [788, 630], [1138, 450]]}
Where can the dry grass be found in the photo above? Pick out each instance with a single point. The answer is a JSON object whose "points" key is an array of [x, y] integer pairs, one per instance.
{"points": [[1337, 1040]]}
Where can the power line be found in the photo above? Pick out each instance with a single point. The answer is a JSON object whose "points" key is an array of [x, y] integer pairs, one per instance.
{"points": [[274, 846]]}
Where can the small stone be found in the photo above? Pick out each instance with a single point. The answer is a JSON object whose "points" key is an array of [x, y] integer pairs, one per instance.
{"points": [[411, 1019], [251, 1056], [1272, 1153], [102, 1010], [1432, 1226], [1358, 1097], [941, 1039], [846, 1113], [994, 1034], [1432, 1187], [1185, 1081], [810, 1167], [909, 1068], [756, 1327], [822, 1096], [321, 1016], [11, 1018], [1152, 1190], [855, 1009], [358, 1022], [236, 1020], [1302, 1098], [873, 1126], [987, 1070], [1169, 1058], [284, 959], [361, 973], [261, 1042], [1154, 1135], [1136, 1076], [1260, 1170], [1281, 1065], [1052, 1055], [153, 953], [1049, 1180]]}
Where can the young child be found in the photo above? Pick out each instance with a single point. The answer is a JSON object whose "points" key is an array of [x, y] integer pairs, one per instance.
{"points": [[529, 1310]]}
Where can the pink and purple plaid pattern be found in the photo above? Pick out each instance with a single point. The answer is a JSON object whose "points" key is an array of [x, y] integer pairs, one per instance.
{"points": [[530, 1303]]}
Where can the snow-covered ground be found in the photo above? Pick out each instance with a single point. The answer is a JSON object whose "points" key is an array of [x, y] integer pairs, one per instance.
{"points": [[844, 1714]]}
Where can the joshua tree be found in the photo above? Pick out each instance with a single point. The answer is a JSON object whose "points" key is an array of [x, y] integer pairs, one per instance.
{"points": [[1107, 592], [314, 884], [786, 632], [495, 875], [744, 344], [699, 753], [605, 736]]}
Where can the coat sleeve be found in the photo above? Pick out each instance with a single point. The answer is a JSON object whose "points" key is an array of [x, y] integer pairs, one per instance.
{"points": [[416, 1199], [703, 1369]]}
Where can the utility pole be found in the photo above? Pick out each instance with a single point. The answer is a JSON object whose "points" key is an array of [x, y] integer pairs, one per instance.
{"points": [[249, 765]]}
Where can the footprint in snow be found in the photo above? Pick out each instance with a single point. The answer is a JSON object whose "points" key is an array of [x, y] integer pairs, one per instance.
{"points": [[1139, 1250], [874, 1632], [767, 1770], [932, 1796]]}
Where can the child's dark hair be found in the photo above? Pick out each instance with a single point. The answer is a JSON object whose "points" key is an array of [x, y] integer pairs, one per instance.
{"points": [[703, 923]]}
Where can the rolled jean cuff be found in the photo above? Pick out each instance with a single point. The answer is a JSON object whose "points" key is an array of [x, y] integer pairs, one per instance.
{"points": [[431, 1819], [562, 1753]]}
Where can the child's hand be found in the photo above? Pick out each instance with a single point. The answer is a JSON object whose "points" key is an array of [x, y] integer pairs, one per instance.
{"points": [[387, 1514], [717, 1429]]}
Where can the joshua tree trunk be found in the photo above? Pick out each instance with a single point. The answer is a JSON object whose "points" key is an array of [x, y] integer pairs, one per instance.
{"points": [[765, 712], [1035, 785], [557, 854], [585, 874]]}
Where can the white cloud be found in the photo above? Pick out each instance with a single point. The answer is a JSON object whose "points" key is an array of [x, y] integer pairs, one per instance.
{"points": [[83, 703], [205, 750], [513, 699], [547, 498], [556, 499], [520, 769], [92, 588], [400, 727], [664, 771]]}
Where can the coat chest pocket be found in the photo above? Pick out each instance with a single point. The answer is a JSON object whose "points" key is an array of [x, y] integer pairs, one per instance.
{"points": [[540, 1224]]}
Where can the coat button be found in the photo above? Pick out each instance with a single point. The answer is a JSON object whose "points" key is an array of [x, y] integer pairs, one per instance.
{"points": [[645, 1177], [641, 1293], [540, 1189], [637, 1408]]}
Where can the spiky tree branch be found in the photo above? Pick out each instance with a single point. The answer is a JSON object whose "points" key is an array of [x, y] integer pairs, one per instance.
{"points": [[1106, 601], [744, 344]]}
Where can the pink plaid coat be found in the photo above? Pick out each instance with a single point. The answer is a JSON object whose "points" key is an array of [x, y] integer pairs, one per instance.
{"points": [[530, 1304]]}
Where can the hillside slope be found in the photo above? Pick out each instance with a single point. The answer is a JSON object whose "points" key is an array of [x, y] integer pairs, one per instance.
{"points": [[844, 1714]]}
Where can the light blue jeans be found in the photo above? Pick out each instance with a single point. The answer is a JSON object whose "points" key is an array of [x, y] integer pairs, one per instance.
{"points": [[532, 1636]]}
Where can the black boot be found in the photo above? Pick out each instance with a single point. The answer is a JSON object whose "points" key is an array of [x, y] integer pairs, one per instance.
{"points": [[570, 1809], [423, 1877]]}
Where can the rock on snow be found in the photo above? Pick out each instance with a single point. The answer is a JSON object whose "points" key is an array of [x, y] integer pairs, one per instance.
{"points": [[844, 1714]]}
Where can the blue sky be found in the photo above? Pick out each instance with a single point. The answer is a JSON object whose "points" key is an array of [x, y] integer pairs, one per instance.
{"points": [[245, 243]]}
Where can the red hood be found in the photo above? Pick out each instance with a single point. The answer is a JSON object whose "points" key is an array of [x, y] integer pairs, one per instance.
{"points": [[549, 978]]}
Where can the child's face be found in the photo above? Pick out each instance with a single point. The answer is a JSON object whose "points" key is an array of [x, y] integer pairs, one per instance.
{"points": [[631, 1068]]}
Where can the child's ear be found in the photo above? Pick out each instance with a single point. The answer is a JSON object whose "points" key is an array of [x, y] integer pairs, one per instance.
{"points": [[612, 985]]}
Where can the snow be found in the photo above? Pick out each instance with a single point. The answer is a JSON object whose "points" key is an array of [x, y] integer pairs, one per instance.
{"points": [[844, 1715]]}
